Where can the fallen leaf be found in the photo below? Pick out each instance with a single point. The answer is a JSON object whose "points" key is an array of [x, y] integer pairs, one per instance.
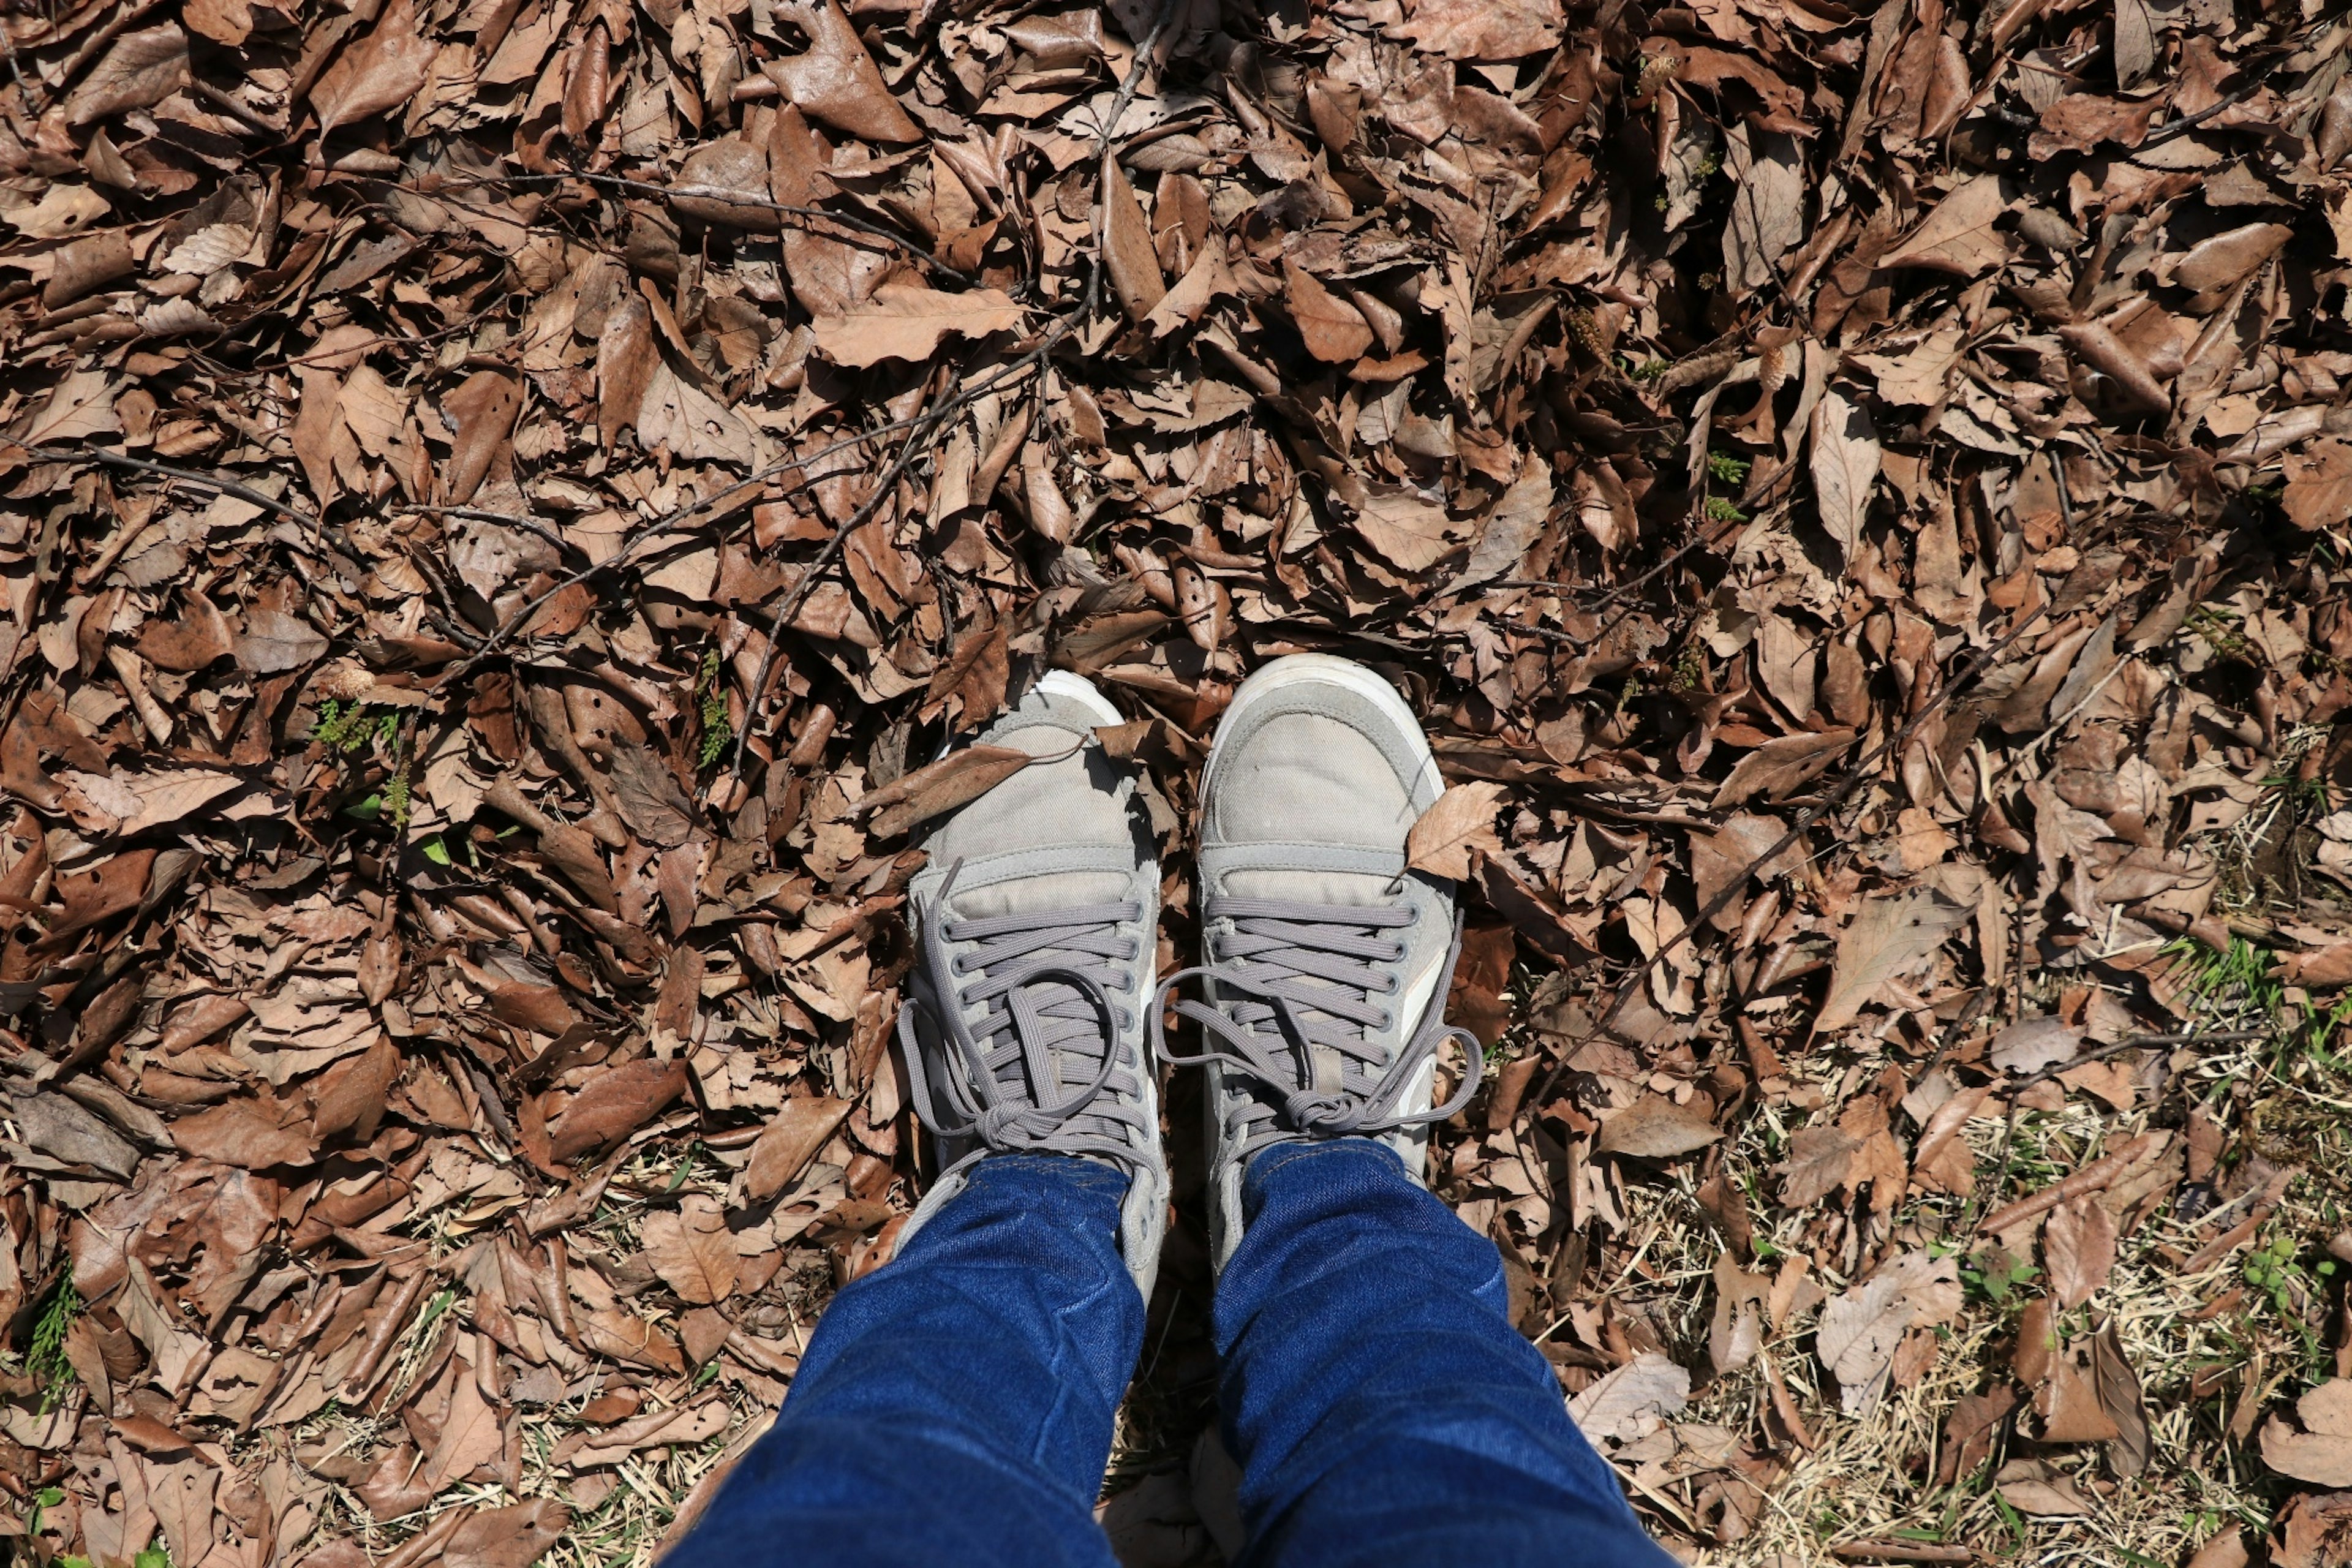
{"points": [[141, 69], [1887, 937], [513, 1536], [482, 410], [384, 69], [1958, 234], [469, 1434], [937, 788], [836, 81], [1632, 1401], [692, 1249], [1860, 1329], [2079, 1243], [790, 1141], [1655, 1127], [1458, 825], [1846, 460], [1779, 766], [908, 322], [1335, 331], [274, 642], [2321, 1453], [1127, 248], [615, 1105], [1481, 29]]}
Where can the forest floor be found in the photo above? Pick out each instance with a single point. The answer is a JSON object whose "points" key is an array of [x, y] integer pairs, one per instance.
{"points": [[506, 499]]}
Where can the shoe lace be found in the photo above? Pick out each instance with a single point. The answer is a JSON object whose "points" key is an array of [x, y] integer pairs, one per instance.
{"points": [[1292, 977], [1045, 982]]}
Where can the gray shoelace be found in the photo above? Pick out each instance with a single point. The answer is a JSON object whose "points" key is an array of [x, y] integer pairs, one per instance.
{"points": [[1298, 979], [1047, 983]]}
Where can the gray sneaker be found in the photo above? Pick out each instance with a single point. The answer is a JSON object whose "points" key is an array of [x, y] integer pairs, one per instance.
{"points": [[1326, 962], [1033, 922]]}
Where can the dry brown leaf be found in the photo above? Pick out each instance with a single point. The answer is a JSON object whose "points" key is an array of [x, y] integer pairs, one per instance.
{"points": [[1887, 936], [482, 410], [909, 323], [469, 1435], [615, 1105], [1335, 331], [513, 1536], [837, 82], [788, 1144], [1483, 30], [1127, 248], [142, 68], [1779, 766], [1845, 459], [1414, 533], [692, 1249], [1860, 1329], [2318, 484], [1654, 1127], [382, 70], [937, 788], [2321, 1453], [1631, 1401], [2078, 1242], [1958, 235], [1458, 825]]}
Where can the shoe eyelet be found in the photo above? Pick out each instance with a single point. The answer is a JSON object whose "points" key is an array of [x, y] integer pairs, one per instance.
{"points": [[1388, 1022]]}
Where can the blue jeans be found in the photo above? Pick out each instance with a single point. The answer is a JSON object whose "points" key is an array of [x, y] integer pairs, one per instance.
{"points": [[956, 1406]]}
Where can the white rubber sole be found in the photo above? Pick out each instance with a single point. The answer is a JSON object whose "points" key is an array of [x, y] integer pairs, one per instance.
{"points": [[1328, 670], [1077, 688]]}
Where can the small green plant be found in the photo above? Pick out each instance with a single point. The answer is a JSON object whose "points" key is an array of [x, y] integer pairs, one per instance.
{"points": [[46, 1360], [2292, 1291], [1690, 670], [349, 727], [155, 1556], [2221, 631], [1720, 508], [717, 731], [1997, 1277], [1648, 370], [2275, 1270], [346, 729], [1726, 470]]}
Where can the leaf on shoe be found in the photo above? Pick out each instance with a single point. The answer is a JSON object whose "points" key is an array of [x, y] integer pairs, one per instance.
{"points": [[1458, 825]]}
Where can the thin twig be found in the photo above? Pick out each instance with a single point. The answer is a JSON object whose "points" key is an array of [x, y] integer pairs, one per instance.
{"points": [[213, 482], [870, 230]]}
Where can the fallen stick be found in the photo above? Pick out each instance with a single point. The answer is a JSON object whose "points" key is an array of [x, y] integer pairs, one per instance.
{"points": [[2092, 1178], [1900, 1551]]}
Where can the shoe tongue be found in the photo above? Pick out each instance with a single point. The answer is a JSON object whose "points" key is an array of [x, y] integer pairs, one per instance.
{"points": [[1034, 895], [1351, 888]]}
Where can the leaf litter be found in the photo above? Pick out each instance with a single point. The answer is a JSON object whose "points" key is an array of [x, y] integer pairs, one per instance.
{"points": [[510, 506]]}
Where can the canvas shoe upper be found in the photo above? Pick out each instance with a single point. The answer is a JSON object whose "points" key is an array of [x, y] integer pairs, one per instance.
{"points": [[1325, 959], [1033, 920]]}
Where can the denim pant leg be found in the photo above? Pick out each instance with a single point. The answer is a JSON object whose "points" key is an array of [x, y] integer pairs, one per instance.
{"points": [[955, 1406], [1383, 1409]]}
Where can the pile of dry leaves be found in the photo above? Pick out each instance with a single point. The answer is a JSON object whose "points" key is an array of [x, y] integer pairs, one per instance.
{"points": [[506, 497]]}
